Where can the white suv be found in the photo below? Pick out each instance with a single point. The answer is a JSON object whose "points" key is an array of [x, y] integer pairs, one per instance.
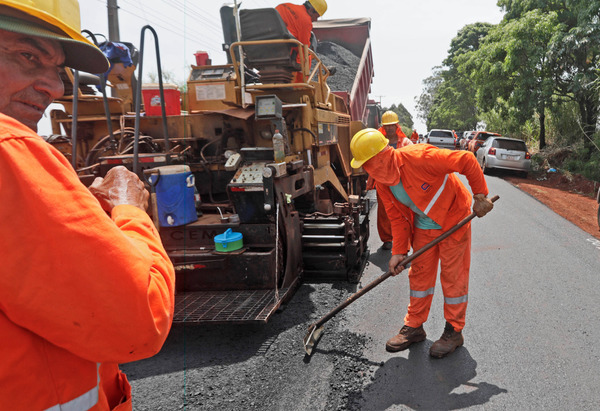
{"points": [[441, 138]]}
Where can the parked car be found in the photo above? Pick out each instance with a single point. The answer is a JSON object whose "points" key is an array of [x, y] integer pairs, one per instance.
{"points": [[506, 153], [478, 139], [441, 138]]}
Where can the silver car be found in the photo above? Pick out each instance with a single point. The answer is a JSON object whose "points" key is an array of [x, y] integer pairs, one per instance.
{"points": [[505, 153], [441, 138]]}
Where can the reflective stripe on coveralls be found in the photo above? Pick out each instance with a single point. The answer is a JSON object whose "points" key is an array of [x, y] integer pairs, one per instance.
{"points": [[84, 401], [436, 196], [422, 294]]}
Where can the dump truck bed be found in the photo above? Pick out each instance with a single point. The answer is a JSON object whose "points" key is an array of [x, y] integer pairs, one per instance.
{"points": [[353, 35]]}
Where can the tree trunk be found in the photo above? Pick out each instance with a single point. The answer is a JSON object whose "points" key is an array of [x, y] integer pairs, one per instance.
{"points": [[589, 117], [542, 129]]}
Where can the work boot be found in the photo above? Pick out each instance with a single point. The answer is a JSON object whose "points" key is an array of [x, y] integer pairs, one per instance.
{"points": [[405, 338], [449, 341], [387, 245]]}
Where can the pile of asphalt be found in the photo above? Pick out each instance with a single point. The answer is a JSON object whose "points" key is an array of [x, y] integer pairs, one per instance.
{"points": [[345, 62], [259, 367]]}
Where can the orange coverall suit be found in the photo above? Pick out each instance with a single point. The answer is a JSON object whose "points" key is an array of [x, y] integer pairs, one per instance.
{"points": [[299, 24], [80, 291], [414, 137], [383, 222], [427, 175]]}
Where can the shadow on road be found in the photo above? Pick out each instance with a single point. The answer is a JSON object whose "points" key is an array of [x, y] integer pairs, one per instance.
{"points": [[421, 382]]}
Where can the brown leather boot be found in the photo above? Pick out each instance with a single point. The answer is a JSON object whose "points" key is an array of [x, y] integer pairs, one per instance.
{"points": [[449, 341], [405, 338]]}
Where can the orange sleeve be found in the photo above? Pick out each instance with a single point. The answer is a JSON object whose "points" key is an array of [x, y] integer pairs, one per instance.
{"points": [[401, 220], [99, 287]]}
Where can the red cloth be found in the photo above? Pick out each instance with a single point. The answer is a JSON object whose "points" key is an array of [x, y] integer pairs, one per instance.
{"points": [[80, 291], [399, 133]]}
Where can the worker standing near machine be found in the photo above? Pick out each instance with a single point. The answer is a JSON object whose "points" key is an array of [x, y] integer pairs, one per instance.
{"points": [[299, 19], [390, 128], [424, 198], [80, 291]]}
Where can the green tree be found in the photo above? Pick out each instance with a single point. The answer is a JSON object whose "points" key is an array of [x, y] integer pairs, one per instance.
{"points": [[425, 101], [512, 71], [575, 52]]}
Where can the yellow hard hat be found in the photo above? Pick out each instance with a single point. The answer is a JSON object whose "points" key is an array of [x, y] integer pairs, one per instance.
{"points": [[389, 117], [56, 20], [319, 5], [366, 144]]}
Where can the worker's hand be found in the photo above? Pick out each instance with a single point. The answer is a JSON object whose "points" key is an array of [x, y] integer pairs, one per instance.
{"points": [[120, 186], [394, 266], [370, 183], [482, 205]]}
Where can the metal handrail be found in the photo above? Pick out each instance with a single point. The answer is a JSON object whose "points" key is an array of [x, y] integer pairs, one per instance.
{"points": [[319, 68], [138, 103]]}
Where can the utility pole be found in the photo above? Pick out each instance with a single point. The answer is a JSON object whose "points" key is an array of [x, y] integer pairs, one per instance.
{"points": [[113, 21]]}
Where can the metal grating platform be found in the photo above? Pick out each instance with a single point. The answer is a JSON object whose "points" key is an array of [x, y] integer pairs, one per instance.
{"points": [[227, 306]]}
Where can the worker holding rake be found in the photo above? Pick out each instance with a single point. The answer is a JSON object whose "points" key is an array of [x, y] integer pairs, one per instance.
{"points": [[424, 198]]}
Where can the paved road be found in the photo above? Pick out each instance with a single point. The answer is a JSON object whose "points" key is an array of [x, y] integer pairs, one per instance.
{"points": [[533, 322], [531, 340]]}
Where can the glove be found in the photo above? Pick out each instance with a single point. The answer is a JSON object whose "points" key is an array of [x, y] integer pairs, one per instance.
{"points": [[482, 205]]}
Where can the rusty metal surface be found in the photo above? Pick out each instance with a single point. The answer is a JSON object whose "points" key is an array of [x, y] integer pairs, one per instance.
{"points": [[227, 306]]}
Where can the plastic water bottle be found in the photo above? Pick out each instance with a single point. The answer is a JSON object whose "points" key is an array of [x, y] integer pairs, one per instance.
{"points": [[278, 147]]}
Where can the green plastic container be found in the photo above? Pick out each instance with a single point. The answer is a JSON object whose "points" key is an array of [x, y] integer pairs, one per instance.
{"points": [[228, 241]]}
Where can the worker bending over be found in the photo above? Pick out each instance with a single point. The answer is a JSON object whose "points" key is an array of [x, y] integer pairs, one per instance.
{"points": [[424, 198], [80, 290], [390, 127]]}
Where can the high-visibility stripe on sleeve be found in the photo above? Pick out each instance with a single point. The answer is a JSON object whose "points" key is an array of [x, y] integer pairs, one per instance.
{"points": [[422, 294], [436, 196], [457, 300], [83, 402]]}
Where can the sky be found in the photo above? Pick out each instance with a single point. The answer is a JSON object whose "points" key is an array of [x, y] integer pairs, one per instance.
{"points": [[408, 38]]}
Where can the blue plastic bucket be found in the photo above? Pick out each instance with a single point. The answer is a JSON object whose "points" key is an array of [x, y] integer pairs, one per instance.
{"points": [[174, 188]]}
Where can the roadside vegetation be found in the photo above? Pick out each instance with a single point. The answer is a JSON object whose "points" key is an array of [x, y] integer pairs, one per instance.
{"points": [[534, 76]]}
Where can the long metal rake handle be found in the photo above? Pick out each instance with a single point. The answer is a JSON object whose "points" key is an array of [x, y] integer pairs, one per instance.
{"points": [[388, 274]]}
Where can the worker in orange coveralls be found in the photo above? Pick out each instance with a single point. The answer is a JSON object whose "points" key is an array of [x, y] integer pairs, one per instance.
{"points": [[414, 137], [80, 290], [424, 198], [299, 19], [391, 129]]}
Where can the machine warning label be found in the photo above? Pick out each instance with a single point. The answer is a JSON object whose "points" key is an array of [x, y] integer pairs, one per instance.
{"points": [[210, 92]]}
